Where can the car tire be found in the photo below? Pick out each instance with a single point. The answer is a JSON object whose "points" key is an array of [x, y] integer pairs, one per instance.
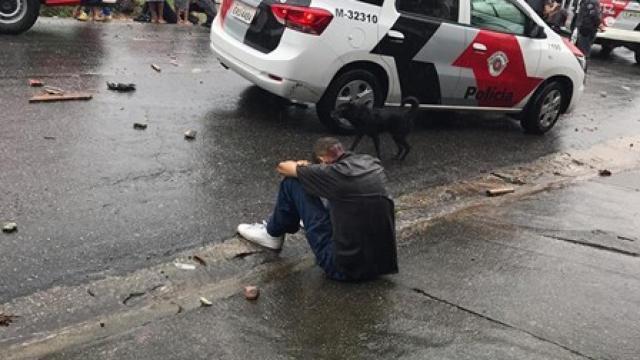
{"points": [[637, 52], [543, 110], [353, 85], [17, 16]]}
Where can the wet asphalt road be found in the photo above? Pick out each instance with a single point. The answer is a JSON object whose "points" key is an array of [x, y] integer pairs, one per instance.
{"points": [[547, 277], [102, 198]]}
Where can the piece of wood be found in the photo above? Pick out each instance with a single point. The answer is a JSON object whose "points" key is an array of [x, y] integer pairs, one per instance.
{"points": [[65, 97], [499, 191]]}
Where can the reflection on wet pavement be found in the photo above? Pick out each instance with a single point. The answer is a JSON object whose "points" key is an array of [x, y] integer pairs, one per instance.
{"points": [[102, 198]]}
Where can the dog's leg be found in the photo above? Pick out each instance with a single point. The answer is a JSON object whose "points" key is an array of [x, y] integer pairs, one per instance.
{"points": [[376, 144], [398, 140], [407, 148], [403, 146], [355, 142]]}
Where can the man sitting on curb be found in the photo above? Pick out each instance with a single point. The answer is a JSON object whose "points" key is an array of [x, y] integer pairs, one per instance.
{"points": [[344, 207]]}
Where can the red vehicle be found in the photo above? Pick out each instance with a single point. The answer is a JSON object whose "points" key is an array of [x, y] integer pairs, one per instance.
{"points": [[17, 16]]}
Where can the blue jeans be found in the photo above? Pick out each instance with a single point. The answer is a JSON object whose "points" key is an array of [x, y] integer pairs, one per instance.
{"points": [[294, 204], [584, 43]]}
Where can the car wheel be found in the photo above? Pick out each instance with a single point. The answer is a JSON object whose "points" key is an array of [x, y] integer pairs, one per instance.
{"points": [[17, 16], [543, 109], [357, 85]]}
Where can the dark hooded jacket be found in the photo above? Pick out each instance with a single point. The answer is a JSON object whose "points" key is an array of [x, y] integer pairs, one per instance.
{"points": [[537, 6], [362, 214]]}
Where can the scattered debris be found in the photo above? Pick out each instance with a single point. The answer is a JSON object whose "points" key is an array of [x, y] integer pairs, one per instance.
{"points": [[604, 172], [156, 67], [122, 87], [631, 145], [626, 88], [205, 302], [577, 162], [196, 71], [174, 62], [180, 308], [510, 179], [603, 94], [52, 90], [49, 137], [140, 125], [500, 191], [91, 293], [251, 292], [244, 254], [190, 134], [35, 83], [625, 238], [9, 227], [101, 324], [133, 295], [63, 97], [6, 319], [199, 260], [183, 266]]}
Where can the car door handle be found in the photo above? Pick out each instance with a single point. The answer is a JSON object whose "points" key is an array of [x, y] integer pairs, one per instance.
{"points": [[395, 36], [479, 47]]}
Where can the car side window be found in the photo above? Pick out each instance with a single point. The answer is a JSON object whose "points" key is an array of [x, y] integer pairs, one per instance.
{"points": [[498, 15], [441, 9]]}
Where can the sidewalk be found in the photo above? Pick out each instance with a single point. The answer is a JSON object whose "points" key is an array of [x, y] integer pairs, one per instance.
{"points": [[555, 275]]}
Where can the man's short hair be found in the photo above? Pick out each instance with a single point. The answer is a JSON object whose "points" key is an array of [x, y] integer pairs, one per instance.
{"points": [[329, 147]]}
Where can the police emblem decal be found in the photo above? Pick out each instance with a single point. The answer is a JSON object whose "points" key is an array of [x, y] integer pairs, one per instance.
{"points": [[497, 63]]}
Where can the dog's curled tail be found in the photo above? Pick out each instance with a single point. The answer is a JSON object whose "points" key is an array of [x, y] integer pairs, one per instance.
{"points": [[415, 103]]}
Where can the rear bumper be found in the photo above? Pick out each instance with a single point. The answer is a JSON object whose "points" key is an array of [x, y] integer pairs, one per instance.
{"points": [[286, 88], [619, 37], [61, 2], [284, 72]]}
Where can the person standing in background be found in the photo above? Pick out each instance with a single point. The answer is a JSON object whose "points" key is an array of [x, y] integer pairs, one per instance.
{"points": [[537, 6], [555, 16], [157, 10], [587, 24], [182, 11]]}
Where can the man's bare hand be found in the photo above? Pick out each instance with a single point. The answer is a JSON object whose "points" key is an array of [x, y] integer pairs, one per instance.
{"points": [[288, 168], [303, 162]]}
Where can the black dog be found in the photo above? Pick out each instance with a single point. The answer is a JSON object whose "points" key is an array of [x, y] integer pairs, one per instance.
{"points": [[373, 122]]}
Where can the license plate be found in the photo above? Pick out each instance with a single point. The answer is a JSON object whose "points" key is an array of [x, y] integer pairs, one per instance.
{"points": [[242, 12]]}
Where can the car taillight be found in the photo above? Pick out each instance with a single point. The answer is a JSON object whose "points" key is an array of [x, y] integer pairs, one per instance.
{"points": [[305, 19]]}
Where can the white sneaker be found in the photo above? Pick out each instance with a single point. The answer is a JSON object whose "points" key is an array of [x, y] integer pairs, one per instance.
{"points": [[257, 234]]}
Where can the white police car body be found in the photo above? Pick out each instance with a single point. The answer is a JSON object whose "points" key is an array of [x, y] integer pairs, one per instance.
{"points": [[471, 55], [621, 26]]}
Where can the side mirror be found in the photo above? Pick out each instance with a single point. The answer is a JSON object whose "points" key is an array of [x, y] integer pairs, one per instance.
{"points": [[536, 31]]}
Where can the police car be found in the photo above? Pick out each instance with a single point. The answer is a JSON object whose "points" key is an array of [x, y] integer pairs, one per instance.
{"points": [[461, 55], [18, 16], [621, 26]]}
